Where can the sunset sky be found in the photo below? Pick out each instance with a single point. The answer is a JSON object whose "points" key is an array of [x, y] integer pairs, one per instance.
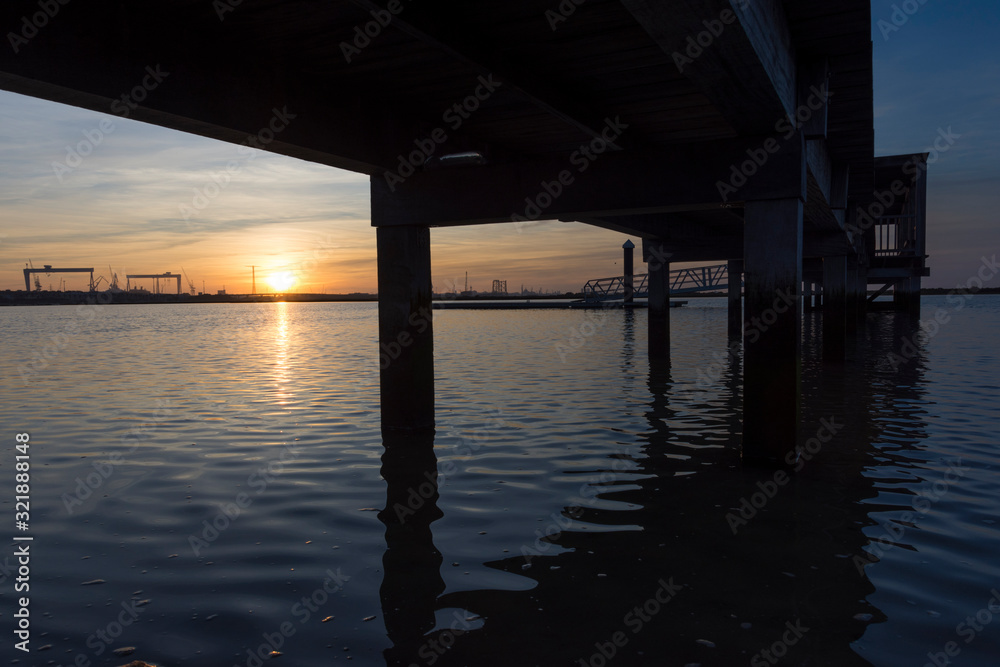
{"points": [[122, 205]]}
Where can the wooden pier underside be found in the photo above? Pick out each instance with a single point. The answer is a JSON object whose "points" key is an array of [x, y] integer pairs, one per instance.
{"points": [[715, 130]]}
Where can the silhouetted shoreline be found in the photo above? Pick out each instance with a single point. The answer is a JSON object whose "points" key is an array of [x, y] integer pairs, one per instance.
{"points": [[53, 298]]}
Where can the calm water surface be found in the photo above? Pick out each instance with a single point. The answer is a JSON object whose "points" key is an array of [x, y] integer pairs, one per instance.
{"points": [[219, 469]]}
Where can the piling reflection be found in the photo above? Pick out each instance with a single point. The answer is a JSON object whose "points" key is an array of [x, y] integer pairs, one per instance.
{"points": [[684, 555], [412, 564], [895, 356], [628, 341]]}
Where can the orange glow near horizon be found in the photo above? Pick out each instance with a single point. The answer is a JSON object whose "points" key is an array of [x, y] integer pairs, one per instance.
{"points": [[282, 281]]}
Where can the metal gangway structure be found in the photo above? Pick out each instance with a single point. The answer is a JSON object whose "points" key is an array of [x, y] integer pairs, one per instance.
{"points": [[682, 281]]}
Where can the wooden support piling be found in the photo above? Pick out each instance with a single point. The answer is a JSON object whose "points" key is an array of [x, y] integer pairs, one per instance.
{"points": [[405, 328], [834, 307], [629, 280], [771, 347], [856, 295], [735, 299], [658, 287]]}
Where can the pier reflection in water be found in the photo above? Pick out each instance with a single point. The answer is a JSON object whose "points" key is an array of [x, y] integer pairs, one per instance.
{"points": [[566, 490], [677, 553]]}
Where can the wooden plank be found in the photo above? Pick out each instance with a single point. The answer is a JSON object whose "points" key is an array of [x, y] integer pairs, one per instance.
{"points": [[470, 51], [361, 115], [747, 70]]}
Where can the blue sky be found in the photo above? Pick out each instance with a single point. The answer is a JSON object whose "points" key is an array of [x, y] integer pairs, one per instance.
{"points": [[121, 205], [941, 69]]}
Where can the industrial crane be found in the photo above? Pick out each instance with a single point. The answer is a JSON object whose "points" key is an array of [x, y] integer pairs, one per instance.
{"points": [[48, 269], [38, 282], [194, 290]]}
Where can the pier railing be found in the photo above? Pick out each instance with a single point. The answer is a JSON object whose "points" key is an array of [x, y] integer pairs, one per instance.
{"points": [[682, 281], [896, 236], [607, 289]]}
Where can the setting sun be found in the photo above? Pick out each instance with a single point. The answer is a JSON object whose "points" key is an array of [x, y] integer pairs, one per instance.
{"points": [[281, 282]]}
